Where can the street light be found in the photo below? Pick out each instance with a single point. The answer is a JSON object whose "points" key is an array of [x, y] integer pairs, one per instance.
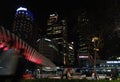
{"points": [[96, 49]]}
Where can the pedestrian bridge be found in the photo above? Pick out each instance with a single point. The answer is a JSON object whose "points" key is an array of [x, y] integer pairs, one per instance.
{"points": [[31, 53]]}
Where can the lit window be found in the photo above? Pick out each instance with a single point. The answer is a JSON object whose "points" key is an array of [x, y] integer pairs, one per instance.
{"points": [[23, 12]]}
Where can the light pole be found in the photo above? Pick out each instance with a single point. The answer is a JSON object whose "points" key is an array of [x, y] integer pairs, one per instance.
{"points": [[64, 54], [95, 42]]}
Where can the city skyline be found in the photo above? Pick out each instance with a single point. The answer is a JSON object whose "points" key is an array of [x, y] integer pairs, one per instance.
{"points": [[102, 15], [42, 9]]}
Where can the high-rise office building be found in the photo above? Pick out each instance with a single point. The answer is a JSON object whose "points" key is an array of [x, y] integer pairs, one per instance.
{"points": [[23, 24], [83, 47], [84, 52], [56, 29], [70, 54], [57, 32]]}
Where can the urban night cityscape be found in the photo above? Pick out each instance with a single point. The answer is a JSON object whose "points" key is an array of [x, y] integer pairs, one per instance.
{"points": [[80, 34]]}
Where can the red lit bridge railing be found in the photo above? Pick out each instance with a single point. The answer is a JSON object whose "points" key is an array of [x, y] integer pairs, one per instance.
{"points": [[31, 53]]}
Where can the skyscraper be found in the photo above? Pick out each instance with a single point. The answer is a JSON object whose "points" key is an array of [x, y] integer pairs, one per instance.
{"points": [[57, 32], [82, 39], [70, 54], [84, 51], [23, 24]]}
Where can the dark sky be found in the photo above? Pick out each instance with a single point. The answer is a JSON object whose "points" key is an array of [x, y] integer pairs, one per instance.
{"points": [[102, 12], [41, 8]]}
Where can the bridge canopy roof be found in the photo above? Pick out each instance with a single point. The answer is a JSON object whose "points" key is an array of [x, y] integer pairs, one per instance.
{"points": [[31, 53]]}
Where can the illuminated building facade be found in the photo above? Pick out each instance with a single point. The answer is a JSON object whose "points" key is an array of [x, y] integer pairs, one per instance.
{"points": [[56, 31], [70, 54], [49, 49], [23, 24], [84, 52], [83, 49]]}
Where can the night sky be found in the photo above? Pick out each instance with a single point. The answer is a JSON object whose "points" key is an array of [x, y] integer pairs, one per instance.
{"points": [[102, 12], [41, 8], [99, 9]]}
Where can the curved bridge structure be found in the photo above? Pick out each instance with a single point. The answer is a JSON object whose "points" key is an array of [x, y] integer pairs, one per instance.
{"points": [[31, 53]]}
